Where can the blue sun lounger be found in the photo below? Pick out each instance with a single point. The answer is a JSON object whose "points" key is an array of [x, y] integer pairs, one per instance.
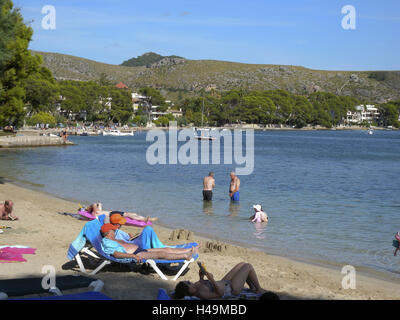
{"points": [[91, 295], [91, 233]]}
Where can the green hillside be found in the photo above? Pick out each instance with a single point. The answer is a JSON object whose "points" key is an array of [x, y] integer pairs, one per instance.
{"points": [[177, 77]]}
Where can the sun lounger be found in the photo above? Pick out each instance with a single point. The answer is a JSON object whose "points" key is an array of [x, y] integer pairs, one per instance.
{"points": [[91, 295], [91, 233], [27, 286]]}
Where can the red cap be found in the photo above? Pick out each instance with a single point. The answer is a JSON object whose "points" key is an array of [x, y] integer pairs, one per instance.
{"points": [[107, 227], [117, 219]]}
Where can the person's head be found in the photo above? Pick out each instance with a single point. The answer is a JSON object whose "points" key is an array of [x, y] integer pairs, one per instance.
{"points": [[233, 175], [8, 205], [184, 288], [211, 174], [257, 207], [94, 207], [108, 230], [117, 220]]}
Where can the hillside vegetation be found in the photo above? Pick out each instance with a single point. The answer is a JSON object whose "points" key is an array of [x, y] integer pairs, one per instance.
{"points": [[178, 78], [146, 60]]}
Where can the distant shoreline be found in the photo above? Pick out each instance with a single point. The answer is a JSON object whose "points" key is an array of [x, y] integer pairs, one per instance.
{"points": [[35, 132]]}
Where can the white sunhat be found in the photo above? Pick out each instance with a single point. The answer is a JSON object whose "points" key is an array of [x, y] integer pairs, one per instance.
{"points": [[257, 207]]}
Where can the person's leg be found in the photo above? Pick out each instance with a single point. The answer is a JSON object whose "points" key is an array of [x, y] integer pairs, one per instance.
{"points": [[170, 250], [233, 271], [135, 216], [246, 274], [164, 255]]}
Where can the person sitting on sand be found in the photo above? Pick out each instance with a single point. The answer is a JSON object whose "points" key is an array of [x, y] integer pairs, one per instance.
{"points": [[7, 211], [96, 209], [121, 250], [259, 214], [231, 284]]}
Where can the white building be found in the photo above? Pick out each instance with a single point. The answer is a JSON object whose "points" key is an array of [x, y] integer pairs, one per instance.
{"points": [[138, 100], [367, 113]]}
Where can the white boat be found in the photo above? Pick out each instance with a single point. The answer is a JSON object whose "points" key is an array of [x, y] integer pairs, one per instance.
{"points": [[117, 133], [204, 134], [370, 131]]}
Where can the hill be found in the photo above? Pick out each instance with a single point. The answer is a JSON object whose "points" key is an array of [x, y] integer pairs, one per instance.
{"points": [[146, 60], [178, 77]]}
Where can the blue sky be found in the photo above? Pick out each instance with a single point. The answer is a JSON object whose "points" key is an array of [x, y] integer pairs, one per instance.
{"points": [[291, 32]]}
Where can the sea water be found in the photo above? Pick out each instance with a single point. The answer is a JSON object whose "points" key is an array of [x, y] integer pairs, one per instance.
{"points": [[331, 196]]}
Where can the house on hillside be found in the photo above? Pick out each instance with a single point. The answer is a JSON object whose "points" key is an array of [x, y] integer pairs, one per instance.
{"points": [[121, 85], [139, 100], [364, 113]]}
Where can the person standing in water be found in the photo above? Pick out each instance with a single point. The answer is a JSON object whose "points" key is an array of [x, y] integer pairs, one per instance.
{"points": [[234, 187], [208, 186]]}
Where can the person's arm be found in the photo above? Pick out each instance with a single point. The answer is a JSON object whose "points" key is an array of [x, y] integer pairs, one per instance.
{"points": [[217, 290], [122, 255], [201, 275]]}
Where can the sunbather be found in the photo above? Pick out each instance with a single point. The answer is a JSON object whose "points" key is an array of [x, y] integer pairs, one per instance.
{"points": [[231, 284], [96, 209], [147, 239], [121, 250], [7, 211]]}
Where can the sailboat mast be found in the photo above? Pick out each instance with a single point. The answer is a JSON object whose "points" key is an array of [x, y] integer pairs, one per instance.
{"points": [[202, 112]]}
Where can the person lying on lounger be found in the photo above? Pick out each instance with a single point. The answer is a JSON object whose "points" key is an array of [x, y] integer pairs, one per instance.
{"points": [[96, 209], [231, 284], [147, 239], [7, 211], [121, 250]]}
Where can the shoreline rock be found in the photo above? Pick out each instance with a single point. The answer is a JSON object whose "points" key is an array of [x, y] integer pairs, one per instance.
{"points": [[32, 141]]}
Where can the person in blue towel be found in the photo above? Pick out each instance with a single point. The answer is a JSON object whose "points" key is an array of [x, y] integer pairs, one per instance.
{"points": [[120, 249], [147, 239]]}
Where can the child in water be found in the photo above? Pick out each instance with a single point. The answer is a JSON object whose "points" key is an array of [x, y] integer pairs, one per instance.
{"points": [[259, 215]]}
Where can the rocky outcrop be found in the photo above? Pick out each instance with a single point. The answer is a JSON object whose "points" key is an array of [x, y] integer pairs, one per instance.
{"points": [[167, 62]]}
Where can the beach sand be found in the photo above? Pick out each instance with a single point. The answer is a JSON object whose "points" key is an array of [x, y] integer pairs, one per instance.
{"points": [[42, 227]]}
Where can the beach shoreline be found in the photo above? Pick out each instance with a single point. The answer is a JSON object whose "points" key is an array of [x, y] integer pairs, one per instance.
{"points": [[328, 264], [52, 234]]}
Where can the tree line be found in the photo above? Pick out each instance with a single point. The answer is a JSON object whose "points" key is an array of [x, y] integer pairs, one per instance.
{"points": [[279, 107]]}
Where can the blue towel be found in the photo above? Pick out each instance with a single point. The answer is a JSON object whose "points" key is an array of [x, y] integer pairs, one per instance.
{"points": [[146, 240], [163, 295], [77, 245]]}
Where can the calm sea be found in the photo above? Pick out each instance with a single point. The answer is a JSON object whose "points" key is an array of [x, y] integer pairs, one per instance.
{"points": [[330, 195]]}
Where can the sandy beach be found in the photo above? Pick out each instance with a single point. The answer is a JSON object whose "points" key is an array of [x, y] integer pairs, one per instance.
{"points": [[41, 226]]}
